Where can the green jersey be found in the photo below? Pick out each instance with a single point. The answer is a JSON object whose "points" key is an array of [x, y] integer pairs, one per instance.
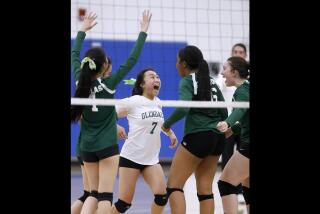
{"points": [[239, 118], [98, 125], [197, 119]]}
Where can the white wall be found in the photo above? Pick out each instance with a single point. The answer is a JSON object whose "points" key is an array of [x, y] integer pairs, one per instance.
{"points": [[212, 25]]}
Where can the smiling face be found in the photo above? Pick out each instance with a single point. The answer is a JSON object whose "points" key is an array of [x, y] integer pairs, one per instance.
{"points": [[151, 84], [228, 74]]}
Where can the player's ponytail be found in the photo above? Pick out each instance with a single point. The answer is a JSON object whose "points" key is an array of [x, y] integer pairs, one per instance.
{"points": [[193, 58], [82, 91], [203, 79], [91, 65]]}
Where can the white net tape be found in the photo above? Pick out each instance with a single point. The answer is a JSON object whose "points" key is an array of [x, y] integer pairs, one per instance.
{"points": [[167, 103]]}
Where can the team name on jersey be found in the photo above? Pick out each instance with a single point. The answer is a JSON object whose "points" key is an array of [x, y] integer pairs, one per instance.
{"points": [[151, 114], [97, 89], [212, 81]]}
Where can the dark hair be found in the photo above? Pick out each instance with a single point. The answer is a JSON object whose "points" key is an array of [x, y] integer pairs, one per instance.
{"points": [[137, 90], [109, 60], [193, 58], [86, 77], [241, 65], [240, 45]]}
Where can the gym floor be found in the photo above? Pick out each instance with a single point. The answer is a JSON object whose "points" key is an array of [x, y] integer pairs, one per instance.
{"points": [[143, 195]]}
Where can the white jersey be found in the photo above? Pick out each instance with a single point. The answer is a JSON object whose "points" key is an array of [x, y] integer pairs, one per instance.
{"points": [[143, 143], [227, 92]]}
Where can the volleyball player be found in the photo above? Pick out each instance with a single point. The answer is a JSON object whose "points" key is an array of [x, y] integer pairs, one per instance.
{"points": [[236, 71], [77, 205], [98, 139], [239, 50], [202, 143], [140, 152]]}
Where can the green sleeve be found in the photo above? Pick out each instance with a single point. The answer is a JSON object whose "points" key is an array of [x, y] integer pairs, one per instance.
{"points": [[236, 128], [238, 113], [185, 93], [75, 54], [115, 79], [224, 113]]}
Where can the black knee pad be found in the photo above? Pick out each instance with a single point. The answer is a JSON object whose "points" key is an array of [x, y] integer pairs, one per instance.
{"points": [[246, 191], [84, 196], [94, 194], [160, 200], [226, 188], [204, 197], [105, 196], [122, 206], [171, 190]]}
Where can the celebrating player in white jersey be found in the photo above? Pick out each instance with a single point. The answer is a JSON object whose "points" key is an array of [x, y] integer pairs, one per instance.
{"points": [[140, 152]]}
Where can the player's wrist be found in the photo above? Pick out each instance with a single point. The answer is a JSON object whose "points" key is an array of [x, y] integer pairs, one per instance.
{"points": [[166, 131], [227, 124]]}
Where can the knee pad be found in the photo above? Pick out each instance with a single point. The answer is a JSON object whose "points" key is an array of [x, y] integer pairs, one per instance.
{"points": [[94, 194], [84, 196], [204, 197], [160, 200], [105, 196], [122, 206], [226, 188], [246, 194], [171, 190]]}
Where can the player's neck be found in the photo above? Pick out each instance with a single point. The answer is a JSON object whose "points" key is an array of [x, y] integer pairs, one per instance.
{"points": [[99, 75], [239, 82], [192, 71], [148, 96]]}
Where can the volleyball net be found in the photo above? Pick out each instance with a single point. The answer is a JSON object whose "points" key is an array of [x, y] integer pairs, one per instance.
{"points": [[162, 103], [214, 26]]}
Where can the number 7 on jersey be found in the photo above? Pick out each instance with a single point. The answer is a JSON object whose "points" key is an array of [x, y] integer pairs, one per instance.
{"points": [[154, 124]]}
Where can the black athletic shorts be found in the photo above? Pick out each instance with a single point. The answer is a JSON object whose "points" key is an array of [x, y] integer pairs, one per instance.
{"points": [[80, 160], [244, 149], [100, 155], [205, 143], [124, 162]]}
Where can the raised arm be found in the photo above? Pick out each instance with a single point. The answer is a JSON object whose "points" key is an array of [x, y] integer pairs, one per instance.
{"points": [[116, 78], [88, 22]]}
